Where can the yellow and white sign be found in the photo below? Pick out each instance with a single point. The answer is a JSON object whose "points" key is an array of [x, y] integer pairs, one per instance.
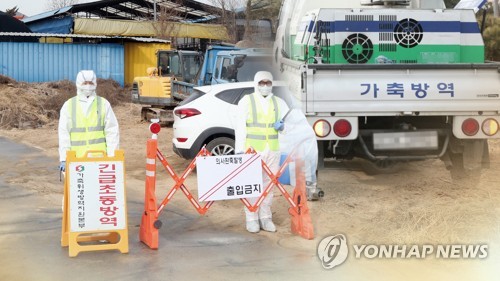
{"points": [[229, 177], [94, 203], [96, 196]]}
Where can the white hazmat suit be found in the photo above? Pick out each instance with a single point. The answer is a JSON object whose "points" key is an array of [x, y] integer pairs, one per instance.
{"points": [[300, 135], [86, 83], [263, 217]]}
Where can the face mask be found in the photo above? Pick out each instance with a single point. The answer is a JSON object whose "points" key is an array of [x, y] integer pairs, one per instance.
{"points": [[88, 93], [87, 90], [265, 90]]}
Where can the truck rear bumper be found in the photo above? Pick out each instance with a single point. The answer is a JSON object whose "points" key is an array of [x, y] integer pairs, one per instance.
{"points": [[404, 154]]}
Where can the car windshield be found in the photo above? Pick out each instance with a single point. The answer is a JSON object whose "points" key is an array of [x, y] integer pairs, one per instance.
{"points": [[192, 64], [243, 68], [252, 65], [196, 94]]}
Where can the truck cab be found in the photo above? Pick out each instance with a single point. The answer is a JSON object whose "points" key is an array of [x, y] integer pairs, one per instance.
{"points": [[240, 65], [181, 65]]}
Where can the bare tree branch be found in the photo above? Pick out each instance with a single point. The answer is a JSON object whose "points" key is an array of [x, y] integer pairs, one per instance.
{"points": [[57, 4], [12, 12], [226, 13], [248, 17], [167, 14]]}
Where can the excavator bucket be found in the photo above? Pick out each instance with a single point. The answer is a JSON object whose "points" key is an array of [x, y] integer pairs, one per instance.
{"points": [[301, 218]]}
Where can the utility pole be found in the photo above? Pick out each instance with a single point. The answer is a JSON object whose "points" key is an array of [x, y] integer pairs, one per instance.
{"points": [[496, 8], [154, 10], [248, 14]]}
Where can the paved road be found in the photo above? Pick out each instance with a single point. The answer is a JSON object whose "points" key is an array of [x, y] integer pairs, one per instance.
{"points": [[191, 248]]}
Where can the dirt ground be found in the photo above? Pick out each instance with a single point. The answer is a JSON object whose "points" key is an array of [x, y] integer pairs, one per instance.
{"points": [[418, 205]]}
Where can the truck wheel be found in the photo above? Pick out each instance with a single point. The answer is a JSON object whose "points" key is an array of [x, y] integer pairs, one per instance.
{"points": [[381, 167], [221, 146], [462, 176]]}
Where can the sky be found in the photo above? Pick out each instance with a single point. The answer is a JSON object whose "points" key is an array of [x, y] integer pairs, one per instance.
{"points": [[35, 7], [29, 7]]}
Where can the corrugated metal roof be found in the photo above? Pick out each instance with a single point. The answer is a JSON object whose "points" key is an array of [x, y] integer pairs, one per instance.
{"points": [[46, 14], [148, 40], [139, 39], [183, 11]]}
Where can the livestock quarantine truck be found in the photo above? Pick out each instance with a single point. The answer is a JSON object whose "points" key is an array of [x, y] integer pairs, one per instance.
{"points": [[392, 81]]}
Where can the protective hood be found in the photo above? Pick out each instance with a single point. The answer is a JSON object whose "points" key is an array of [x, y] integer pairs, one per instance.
{"points": [[86, 76], [259, 76]]}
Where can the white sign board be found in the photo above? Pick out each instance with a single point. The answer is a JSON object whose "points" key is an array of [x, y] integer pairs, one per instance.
{"points": [[96, 196], [229, 177]]}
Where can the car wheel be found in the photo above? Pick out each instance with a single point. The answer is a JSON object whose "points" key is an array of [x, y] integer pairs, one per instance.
{"points": [[221, 146]]}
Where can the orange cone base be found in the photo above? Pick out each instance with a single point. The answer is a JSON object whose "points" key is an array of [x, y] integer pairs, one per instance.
{"points": [[148, 233], [301, 219], [301, 223]]}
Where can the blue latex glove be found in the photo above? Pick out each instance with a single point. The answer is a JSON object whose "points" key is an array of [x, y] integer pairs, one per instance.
{"points": [[62, 166], [279, 125]]}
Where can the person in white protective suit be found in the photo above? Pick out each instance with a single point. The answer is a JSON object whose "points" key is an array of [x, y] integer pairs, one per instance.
{"points": [[87, 121], [259, 121], [300, 137]]}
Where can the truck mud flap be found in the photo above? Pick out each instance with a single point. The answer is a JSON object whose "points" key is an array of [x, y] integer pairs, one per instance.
{"points": [[474, 153]]}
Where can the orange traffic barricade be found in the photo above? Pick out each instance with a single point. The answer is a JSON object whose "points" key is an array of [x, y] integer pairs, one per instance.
{"points": [[150, 223]]}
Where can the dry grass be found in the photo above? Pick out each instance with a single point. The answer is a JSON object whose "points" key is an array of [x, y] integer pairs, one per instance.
{"points": [[113, 92], [6, 80], [31, 105]]}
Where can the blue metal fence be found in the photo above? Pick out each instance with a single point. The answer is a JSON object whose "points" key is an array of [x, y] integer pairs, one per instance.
{"points": [[36, 62]]}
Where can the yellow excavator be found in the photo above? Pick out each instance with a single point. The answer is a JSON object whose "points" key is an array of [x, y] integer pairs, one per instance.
{"points": [[177, 67]]}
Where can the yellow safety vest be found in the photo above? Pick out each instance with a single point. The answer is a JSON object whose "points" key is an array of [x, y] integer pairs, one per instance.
{"points": [[260, 126], [87, 132]]}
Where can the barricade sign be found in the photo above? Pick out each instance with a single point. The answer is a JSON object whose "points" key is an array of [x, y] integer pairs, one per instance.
{"points": [[215, 181], [229, 177], [94, 211]]}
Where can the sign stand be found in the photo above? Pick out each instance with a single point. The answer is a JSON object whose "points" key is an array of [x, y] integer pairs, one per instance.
{"points": [[94, 211]]}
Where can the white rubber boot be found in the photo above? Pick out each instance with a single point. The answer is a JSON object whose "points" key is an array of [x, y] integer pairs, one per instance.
{"points": [[253, 226], [267, 225]]}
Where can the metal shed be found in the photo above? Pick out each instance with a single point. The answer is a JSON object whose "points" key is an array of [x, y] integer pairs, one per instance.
{"points": [[35, 62], [112, 57]]}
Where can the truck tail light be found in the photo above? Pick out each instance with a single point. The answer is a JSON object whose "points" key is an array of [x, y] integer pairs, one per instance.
{"points": [[490, 127], [322, 128], [470, 127], [342, 128], [186, 112]]}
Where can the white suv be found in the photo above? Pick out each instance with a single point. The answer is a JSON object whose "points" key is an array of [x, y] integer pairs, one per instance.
{"points": [[207, 117]]}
